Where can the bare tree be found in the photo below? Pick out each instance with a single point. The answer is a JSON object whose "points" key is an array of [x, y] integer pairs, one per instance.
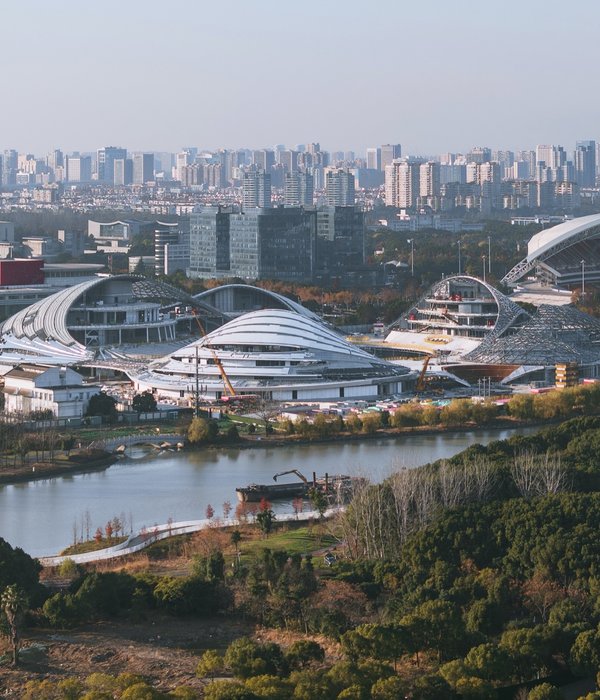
{"points": [[553, 477], [524, 472]]}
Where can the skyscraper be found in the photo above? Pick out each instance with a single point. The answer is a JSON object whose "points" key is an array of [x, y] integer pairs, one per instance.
{"points": [[389, 153], [584, 161], [143, 168], [374, 158], [105, 167], [429, 179], [256, 190], [78, 168], [339, 188]]}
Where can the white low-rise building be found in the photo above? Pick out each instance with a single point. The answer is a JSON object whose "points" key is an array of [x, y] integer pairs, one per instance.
{"points": [[31, 389]]}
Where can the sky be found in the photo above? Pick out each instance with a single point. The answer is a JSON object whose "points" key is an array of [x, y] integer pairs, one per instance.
{"points": [[434, 76]]}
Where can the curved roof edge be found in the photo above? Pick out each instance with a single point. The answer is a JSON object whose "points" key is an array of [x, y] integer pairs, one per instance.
{"points": [[546, 242], [286, 302]]}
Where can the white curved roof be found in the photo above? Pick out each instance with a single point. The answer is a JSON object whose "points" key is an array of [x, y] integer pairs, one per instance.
{"points": [[211, 296], [545, 240], [287, 329]]}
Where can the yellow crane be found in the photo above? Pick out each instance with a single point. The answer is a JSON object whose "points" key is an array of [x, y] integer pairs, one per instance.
{"points": [[421, 380], [217, 359]]}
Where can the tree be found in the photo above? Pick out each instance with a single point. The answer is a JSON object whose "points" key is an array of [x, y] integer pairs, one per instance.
{"points": [[247, 658], [13, 604], [388, 689], [545, 691], [144, 403], [102, 405], [303, 653], [265, 517], [228, 690], [211, 663], [318, 501], [201, 431], [585, 653]]}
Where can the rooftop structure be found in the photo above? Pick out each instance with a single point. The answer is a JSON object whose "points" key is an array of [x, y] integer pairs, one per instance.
{"points": [[454, 316], [236, 299], [278, 354], [567, 255], [76, 323]]}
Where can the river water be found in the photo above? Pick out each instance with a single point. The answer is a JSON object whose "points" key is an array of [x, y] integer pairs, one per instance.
{"points": [[147, 489]]}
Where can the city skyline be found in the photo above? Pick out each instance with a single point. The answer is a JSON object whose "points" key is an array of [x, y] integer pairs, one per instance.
{"points": [[433, 78]]}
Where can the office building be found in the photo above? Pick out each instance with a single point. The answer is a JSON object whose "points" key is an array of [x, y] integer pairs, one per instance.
{"points": [[256, 189], [340, 238], [389, 153], [123, 172], [143, 168], [479, 154], [339, 188], [299, 189], [374, 158], [105, 163], [271, 243], [78, 168]]}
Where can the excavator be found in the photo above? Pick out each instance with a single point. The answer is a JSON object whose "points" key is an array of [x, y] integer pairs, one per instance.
{"points": [[291, 471], [216, 358]]}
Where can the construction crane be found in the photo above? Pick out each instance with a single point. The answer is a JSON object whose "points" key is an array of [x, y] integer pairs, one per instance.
{"points": [[421, 380], [216, 358]]}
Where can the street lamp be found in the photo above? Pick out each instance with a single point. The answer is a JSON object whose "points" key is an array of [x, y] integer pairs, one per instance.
{"points": [[582, 279], [459, 260], [483, 258], [412, 255], [489, 254]]}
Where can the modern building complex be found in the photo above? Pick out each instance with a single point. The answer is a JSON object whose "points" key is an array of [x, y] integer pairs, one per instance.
{"points": [[278, 355], [453, 317], [565, 256], [286, 243], [76, 323], [340, 188], [256, 190]]}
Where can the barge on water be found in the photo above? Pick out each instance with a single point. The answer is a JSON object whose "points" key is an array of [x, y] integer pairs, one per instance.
{"points": [[337, 487]]}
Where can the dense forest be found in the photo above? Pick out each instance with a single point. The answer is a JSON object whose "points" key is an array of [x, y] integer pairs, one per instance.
{"points": [[468, 578]]}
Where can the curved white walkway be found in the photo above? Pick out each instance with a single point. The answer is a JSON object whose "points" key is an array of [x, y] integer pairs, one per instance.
{"points": [[136, 542]]}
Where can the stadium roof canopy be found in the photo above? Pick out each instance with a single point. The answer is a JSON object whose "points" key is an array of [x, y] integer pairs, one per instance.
{"points": [[549, 247]]}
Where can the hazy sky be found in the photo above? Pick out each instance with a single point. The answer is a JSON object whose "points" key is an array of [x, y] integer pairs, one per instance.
{"points": [[434, 76]]}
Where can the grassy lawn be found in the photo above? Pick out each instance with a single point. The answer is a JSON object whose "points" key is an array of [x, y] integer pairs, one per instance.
{"points": [[301, 540], [92, 546]]}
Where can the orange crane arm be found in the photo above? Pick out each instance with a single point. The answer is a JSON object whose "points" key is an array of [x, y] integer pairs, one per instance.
{"points": [[421, 379], [216, 358]]}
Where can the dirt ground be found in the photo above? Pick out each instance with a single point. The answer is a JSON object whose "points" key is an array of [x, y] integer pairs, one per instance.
{"points": [[166, 651]]}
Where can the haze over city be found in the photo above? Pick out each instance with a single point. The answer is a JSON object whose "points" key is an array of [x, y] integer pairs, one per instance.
{"points": [[433, 76]]}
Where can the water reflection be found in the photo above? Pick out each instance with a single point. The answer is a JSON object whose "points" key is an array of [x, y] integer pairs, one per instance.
{"points": [[40, 516]]}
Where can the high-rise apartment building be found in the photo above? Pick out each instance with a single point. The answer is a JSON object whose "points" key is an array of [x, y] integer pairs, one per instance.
{"points": [[298, 189], [143, 168], [403, 183], [429, 179], [584, 161], [105, 163], [263, 159], [479, 154], [256, 190], [553, 156], [339, 188], [389, 153], [289, 160]]}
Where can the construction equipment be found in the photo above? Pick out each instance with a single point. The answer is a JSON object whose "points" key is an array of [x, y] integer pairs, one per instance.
{"points": [[421, 380], [291, 471], [216, 358]]}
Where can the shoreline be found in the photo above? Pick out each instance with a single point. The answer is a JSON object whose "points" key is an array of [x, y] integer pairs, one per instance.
{"points": [[103, 460]]}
